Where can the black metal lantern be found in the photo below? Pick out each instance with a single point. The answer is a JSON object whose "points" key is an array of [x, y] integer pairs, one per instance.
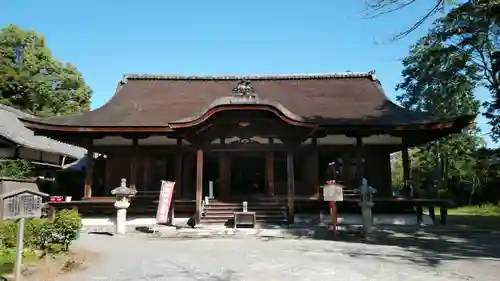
{"points": [[18, 54]]}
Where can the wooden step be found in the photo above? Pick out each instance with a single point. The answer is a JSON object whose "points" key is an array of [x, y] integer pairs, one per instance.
{"points": [[266, 211], [229, 220], [250, 208], [249, 204]]}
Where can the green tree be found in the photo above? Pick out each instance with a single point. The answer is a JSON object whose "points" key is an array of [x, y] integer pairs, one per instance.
{"points": [[441, 81], [475, 31], [472, 28], [380, 7], [31, 79]]}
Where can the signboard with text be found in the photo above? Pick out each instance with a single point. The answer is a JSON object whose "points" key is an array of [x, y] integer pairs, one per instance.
{"points": [[166, 194], [21, 204], [333, 192]]}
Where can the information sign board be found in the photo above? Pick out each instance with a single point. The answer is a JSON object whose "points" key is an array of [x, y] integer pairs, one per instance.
{"points": [[23, 203]]}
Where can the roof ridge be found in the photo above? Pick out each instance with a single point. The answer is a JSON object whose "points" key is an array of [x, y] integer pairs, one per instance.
{"points": [[333, 75]]}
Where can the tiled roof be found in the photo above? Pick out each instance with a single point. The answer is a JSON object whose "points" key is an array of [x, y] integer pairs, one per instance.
{"points": [[14, 130], [352, 99]]}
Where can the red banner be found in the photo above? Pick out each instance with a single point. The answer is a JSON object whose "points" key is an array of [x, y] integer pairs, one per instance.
{"points": [[167, 191]]}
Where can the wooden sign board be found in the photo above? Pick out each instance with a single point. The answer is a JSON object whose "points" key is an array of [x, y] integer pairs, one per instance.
{"points": [[333, 192], [166, 193], [22, 203]]}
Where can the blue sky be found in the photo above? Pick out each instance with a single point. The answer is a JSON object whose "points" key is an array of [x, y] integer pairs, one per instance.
{"points": [[106, 39]]}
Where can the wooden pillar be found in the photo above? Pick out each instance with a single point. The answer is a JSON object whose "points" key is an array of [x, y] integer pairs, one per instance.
{"points": [[199, 183], [133, 164], [270, 173], [359, 161], [89, 171], [291, 187], [314, 168], [406, 167], [178, 171], [224, 175]]}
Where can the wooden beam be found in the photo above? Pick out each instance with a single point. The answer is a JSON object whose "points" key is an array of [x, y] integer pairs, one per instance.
{"points": [[133, 164], [228, 173], [291, 187], [270, 173], [146, 175], [89, 171], [187, 174], [199, 183], [359, 160], [178, 171]]}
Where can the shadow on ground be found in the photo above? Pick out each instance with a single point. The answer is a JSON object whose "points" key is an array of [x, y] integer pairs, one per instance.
{"points": [[428, 246]]}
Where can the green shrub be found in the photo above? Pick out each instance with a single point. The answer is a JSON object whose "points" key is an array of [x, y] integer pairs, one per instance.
{"points": [[16, 169], [66, 227], [37, 233], [43, 234], [8, 233]]}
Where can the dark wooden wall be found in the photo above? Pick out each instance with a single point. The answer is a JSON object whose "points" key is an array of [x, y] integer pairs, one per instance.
{"points": [[152, 166]]}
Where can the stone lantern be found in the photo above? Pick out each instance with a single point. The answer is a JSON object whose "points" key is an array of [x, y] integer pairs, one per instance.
{"points": [[123, 194]]}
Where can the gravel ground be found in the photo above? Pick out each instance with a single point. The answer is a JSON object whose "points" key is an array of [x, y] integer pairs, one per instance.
{"points": [[144, 258]]}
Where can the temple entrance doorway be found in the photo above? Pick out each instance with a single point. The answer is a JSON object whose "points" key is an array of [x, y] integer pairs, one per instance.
{"points": [[248, 177]]}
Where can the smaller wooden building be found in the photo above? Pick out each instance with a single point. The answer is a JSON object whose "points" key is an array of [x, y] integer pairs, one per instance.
{"points": [[263, 136], [18, 142]]}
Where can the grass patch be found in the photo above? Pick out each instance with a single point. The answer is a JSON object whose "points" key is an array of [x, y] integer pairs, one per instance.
{"points": [[486, 216], [8, 259], [473, 210], [478, 210]]}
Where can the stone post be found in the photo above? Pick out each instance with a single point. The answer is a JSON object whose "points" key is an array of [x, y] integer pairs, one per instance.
{"points": [[366, 205], [123, 194]]}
